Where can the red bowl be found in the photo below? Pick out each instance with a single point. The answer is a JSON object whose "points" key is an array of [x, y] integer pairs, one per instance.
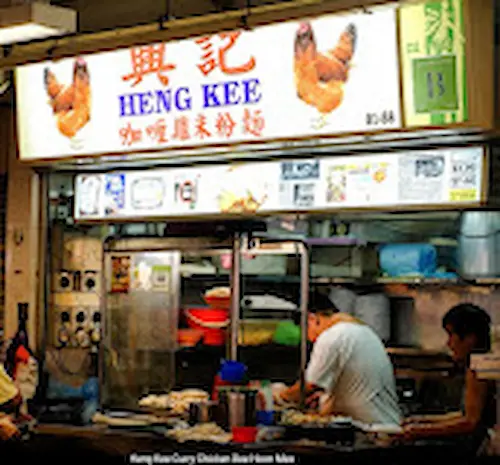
{"points": [[218, 302], [244, 434], [207, 318]]}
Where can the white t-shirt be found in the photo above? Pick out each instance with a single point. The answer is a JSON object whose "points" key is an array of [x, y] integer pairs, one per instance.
{"points": [[349, 362]]}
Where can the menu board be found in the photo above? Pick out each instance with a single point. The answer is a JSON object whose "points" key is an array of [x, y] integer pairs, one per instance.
{"points": [[323, 76], [417, 178]]}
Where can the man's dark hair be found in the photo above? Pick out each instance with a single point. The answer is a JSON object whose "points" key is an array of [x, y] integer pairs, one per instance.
{"points": [[320, 304], [469, 319]]}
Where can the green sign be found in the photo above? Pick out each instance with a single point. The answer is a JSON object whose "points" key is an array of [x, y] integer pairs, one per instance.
{"points": [[433, 63], [435, 84]]}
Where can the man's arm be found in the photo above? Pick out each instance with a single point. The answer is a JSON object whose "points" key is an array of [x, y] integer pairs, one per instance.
{"points": [[475, 401], [292, 394], [433, 418]]}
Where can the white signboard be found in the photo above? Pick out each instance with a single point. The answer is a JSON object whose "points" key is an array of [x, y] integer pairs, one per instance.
{"points": [[439, 177], [292, 80]]}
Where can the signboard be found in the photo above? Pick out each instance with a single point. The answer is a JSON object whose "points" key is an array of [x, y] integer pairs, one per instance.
{"points": [[329, 75], [434, 68], [437, 177]]}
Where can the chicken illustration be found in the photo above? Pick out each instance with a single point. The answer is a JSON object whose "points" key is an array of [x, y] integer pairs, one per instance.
{"points": [[70, 104], [320, 77]]}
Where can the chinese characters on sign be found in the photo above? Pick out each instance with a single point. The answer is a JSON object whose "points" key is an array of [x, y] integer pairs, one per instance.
{"points": [[182, 112], [196, 128], [149, 60], [210, 62]]}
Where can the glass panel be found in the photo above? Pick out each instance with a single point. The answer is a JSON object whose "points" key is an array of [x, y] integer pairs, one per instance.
{"points": [[142, 305]]}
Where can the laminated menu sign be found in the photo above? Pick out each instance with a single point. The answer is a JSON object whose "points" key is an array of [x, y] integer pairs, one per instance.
{"points": [[90, 189], [246, 188], [147, 193], [160, 277], [186, 190], [315, 77], [298, 183], [464, 178], [360, 180], [433, 63], [114, 193], [416, 178], [120, 274], [422, 177]]}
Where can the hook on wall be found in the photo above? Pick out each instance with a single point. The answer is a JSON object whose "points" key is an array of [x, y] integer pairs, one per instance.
{"points": [[167, 16], [244, 24], [7, 50], [18, 236]]}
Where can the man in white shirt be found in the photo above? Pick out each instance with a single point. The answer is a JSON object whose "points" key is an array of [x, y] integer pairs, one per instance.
{"points": [[350, 365]]}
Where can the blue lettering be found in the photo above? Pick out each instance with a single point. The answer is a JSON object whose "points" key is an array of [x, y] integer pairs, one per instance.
{"points": [[183, 100], [210, 98], [145, 106], [252, 91], [231, 93], [127, 105], [163, 101], [155, 102]]}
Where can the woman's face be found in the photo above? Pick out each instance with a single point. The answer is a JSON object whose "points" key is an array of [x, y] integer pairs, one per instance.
{"points": [[460, 348]]}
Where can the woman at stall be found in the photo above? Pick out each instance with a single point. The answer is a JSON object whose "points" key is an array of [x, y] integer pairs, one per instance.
{"points": [[349, 366], [468, 329]]}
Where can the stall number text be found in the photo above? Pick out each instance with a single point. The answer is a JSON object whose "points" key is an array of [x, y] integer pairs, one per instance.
{"points": [[380, 119]]}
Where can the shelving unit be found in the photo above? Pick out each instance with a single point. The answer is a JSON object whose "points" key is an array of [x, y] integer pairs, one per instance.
{"points": [[288, 279]]}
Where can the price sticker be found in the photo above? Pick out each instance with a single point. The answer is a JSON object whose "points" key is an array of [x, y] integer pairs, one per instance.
{"points": [[463, 195], [435, 84]]}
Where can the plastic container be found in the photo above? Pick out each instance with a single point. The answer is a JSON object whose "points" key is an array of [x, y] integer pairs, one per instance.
{"points": [[214, 337], [344, 299], [212, 321], [244, 434], [265, 418], [408, 259], [189, 337], [207, 318], [287, 333], [233, 372], [223, 303]]}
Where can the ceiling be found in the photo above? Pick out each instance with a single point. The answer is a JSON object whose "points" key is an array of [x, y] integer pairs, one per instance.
{"points": [[101, 15], [98, 15]]}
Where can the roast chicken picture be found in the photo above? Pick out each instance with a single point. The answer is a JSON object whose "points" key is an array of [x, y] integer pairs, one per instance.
{"points": [[320, 77], [70, 103]]}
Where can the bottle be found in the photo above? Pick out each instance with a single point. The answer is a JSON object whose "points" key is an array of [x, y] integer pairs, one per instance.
{"points": [[20, 339]]}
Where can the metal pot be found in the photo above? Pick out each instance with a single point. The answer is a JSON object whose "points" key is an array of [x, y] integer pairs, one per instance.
{"points": [[237, 407], [202, 412]]}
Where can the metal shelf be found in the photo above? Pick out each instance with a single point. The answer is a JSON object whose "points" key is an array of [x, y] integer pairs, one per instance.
{"points": [[287, 279]]}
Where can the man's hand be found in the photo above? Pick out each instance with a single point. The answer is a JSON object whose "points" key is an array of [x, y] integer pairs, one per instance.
{"points": [[416, 420], [411, 432], [313, 401], [281, 397], [7, 429]]}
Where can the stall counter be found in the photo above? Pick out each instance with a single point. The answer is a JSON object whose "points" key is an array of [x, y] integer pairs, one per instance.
{"points": [[96, 444]]}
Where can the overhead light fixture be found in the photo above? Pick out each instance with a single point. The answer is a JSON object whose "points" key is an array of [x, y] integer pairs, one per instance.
{"points": [[35, 20]]}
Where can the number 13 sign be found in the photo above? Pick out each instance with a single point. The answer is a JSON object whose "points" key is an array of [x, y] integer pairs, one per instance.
{"points": [[433, 63]]}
